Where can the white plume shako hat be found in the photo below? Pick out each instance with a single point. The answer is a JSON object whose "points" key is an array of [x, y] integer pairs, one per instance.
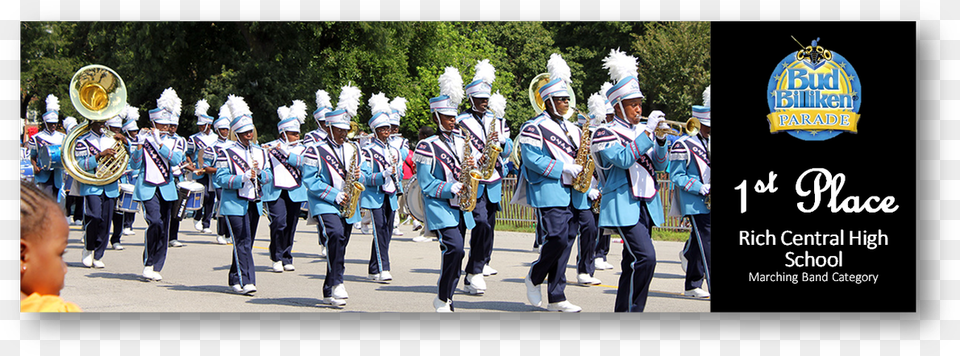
{"points": [[223, 118], [703, 112], [398, 109], [323, 106], [168, 108], [623, 72], [242, 116], [200, 110], [559, 71], [603, 90], [130, 117], [380, 111], [346, 109], [451, 93], [69, 123], [291, 117], [498, 104], [52, 115], [482, 83], [597, 107]]}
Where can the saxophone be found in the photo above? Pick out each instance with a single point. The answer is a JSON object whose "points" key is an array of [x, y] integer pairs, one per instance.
{"points": [[469, 177], [491, 151], [582, 181], [351, 187]]}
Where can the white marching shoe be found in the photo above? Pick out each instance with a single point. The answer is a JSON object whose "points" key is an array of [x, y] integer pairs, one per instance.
{"points": [[533, 292], [249, 289], [475, 284], [333, 301], [489, 271], [221, 240], [98, 264], [584, 278], [697, 293], [149, 274], [198, 226], [175, 243], [420, 238], [237, 288], [564, 306], [601, 264], [364, 229], [128, 231], [340, 292], [441, 306], [289, 267], [397, 232], [117, 246], [207, 231], [382, 277], [86, 258], [278, 266], [323, 251]]}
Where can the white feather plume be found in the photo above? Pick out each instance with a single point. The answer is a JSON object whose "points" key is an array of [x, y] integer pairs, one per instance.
{"points": [[558, 68], [605, 88], [224, 111], [69, 123], [201, 108], [706, 97], [349, 99], [323, 99], [498, 104], [283, 112], [620, 65], [238, 107], [400, 105], [132, 113], [170, 101], [451, 84], [299, 110], [597, 106], [53, 104], [485, 72], [379, 103]]}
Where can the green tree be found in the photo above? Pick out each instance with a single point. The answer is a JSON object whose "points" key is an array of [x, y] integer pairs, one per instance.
{"points": [[674, 66]]}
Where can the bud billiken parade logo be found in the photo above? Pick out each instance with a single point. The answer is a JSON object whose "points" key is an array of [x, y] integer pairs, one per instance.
{"points": [[813, 94]]}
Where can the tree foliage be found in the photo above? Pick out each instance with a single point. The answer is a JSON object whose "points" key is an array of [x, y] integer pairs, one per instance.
{"points": [[272, 63]]}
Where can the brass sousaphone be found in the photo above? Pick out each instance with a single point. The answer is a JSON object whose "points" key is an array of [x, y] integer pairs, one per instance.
{"points": [[537, 102], [98, 94]]}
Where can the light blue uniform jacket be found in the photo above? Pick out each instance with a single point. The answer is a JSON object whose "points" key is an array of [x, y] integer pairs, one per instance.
{"points": [[321, 194], [373, 178], [271, 192], [87, 161], [493, 189], [540, 170], [231, 181], [618, 206], [432, 177], [686, 177], [145, 190]]}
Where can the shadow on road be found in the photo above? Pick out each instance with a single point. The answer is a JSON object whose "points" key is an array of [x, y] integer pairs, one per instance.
{"points": [[461, 305], [411, 289]]}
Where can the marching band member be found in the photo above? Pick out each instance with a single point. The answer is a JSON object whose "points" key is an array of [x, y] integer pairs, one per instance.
{"points": [[222, 127], [690, 173], [242, 168], [196, 144], [475, 124], [122, 220], [154, 157], [319, 116], [285, 194], [99, 200], [49, 180], [381, 165], [326, 166], [582, 202], [439, 160], [603, 242], [628, 154], [548, 171], [398, 108], [180, 146]]}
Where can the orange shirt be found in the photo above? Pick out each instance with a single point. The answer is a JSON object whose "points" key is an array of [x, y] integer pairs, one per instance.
{"points": [[47, 304]]}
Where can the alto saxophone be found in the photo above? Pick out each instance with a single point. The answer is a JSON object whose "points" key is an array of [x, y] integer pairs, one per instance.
{"points": [[469, 177], [582, 181], [351, 188], [491, 151]]}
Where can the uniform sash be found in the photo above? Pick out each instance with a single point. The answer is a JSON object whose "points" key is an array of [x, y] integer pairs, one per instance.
{"points": [[477, 134], [376, 154], [285, 175], [449, 161], [558, 144], [156, 166], [641, 175], [334, 162], [237, 158]]}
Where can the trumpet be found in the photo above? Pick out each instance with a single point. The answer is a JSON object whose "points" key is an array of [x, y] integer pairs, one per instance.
{"points": [[691, 127]]}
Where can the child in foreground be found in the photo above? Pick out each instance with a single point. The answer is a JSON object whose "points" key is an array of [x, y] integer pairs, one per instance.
{"points": [[43, 240]]}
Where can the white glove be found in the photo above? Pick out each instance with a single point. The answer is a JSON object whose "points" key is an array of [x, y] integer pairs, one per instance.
{"points": [[593, 194], [455, 189], [247, 176], [654, 120], [388, 171], [705, 189], [340, 197], [572, 169], [503, 139]]}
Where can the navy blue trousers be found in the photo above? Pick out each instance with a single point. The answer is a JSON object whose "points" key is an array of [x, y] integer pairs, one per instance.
{"points": [[603, 241], [481, 236], [222, 229], [382, 233], [172, 221], [243, 228], [587, 241], [157, 213], [121, 220], [97, 216], [283, 225], [336, 232], [451, 246], [639, 261], [205, 213], [699, 236], [559, 232]]}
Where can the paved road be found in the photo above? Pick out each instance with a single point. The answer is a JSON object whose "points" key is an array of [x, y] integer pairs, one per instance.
{"points": [[195, 277]]}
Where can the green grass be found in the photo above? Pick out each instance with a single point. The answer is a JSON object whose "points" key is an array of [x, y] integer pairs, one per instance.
{"points": [[658, 234]]}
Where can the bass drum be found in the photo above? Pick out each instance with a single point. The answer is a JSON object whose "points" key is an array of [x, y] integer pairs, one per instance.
{"points": [[414, 199]]}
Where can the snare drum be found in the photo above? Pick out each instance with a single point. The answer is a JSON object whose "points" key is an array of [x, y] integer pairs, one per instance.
{"points": [[48, 157], [193, 193], [26, 169], [125, 202]]}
